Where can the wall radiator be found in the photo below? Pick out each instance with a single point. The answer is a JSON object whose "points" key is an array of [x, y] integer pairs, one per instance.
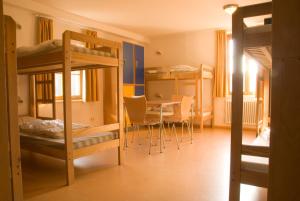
{"points": [[249, 111]]}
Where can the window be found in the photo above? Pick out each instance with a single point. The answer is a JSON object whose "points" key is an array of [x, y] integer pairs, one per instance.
{"points": [[250, 69], [76, 86]]}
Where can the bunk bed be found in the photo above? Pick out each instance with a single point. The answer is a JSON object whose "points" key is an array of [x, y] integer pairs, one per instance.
{"points": [[179, 73], [70, 141], [249, 163]]}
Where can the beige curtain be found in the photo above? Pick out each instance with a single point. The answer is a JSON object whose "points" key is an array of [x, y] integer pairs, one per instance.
{"points": [[220, 85], [41, 86], [45, 29], [91, 76]]}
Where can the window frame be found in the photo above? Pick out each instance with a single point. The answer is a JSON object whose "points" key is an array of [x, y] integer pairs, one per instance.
{"points": [[77, 97], [246, 76]]}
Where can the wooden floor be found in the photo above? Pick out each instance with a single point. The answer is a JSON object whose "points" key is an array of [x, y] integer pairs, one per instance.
{"points": [[197, 172]]}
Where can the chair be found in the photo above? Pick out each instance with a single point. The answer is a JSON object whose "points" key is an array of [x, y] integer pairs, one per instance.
{"points": [[183, 115], [136, 107]]}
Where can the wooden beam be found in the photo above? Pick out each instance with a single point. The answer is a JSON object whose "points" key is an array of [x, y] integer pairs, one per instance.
{"points": [[237, 106], [259, 151], [120, 103], [285, 110], [5, 170], [254, 178], [257, 39], [12, 96], [67, 103], [257, 9]]}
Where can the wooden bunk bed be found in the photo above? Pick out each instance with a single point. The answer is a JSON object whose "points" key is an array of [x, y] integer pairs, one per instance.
{"points": [[194, 74], [64, 59], [255, 171]]}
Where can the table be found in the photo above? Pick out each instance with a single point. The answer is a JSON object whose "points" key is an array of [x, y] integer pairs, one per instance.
{"points": [[161, 104]]}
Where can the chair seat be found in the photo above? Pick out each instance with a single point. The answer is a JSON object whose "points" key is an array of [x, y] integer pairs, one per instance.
{"points": [[174, 119]]}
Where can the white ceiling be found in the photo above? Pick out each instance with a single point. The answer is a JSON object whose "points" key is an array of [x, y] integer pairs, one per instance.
{"points": [[153, 17]]}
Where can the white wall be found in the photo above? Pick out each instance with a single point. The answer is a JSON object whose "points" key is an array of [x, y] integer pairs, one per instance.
{"points": [[26, 36], [190, 48]]}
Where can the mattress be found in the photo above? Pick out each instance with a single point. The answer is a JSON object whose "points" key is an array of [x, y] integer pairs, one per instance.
{"points": [[46, 128], [78, 142], [53, 46]]}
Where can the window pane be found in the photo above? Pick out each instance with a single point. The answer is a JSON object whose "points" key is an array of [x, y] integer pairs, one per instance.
{"points": [[75, 84], [252, 68], [58, 85]]}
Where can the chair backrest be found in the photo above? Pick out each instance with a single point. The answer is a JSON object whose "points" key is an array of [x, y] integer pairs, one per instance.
{"points": [[183, 111], [186, 106], [136, 108]]}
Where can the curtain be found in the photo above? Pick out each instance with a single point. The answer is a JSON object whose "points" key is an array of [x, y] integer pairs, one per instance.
{"points": [[220, 85], [45, 29], [42, 86], [91, 76]]}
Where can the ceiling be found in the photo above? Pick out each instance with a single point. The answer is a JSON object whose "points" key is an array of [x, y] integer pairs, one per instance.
{"points": [[153, 17]]}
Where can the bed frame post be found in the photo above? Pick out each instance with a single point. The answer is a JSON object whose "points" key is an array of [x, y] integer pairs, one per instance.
{"points": [[237, 106], [68, 107], [201, 98], [120, 102], [12, 97]]}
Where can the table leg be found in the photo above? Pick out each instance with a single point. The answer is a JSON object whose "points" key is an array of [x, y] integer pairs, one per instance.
{"points": [[160, 128]]}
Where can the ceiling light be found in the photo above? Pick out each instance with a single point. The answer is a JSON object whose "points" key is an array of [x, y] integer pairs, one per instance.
{"points": [[230, 8]]}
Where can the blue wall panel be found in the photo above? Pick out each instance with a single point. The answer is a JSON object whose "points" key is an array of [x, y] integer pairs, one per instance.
{"points": [[139, 90], [139, 56], [128, 73]]}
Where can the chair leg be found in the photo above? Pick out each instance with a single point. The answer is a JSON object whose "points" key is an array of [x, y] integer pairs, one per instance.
{"points": [[125, 137], [132, 137], [182, 127], [174, 129], [138, 134], [190, 131], [151, 134], [164, 136]]}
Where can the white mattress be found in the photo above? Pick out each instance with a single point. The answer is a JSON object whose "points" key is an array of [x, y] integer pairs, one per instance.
{"points": [[55, 46], [45, 128]]}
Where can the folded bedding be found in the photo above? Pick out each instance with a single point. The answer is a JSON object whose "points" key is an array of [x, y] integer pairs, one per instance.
{"points": [[46, 128], [52, 46]]}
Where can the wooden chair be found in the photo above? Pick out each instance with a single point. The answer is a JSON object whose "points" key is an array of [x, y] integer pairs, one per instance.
{"points": [[182, 114], [136, 108]]}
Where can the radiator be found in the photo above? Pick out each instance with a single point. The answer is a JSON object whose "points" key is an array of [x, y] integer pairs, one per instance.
{"points": [[249, 111]]}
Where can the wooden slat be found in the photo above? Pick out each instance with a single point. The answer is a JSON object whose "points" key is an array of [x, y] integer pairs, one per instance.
{"points": [[45, 150], [5, 170], [258, 39], [12, 96], [42, 60], [252, 150], [99, 129], [96, 148], [257, 9], [254, 178], [93, 59], [92, 40]]}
